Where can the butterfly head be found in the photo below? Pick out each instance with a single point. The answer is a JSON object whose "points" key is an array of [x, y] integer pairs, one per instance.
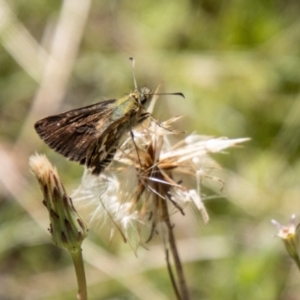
{"points": [[142, 95]]}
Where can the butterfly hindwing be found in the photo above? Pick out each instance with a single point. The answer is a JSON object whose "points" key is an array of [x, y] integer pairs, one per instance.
{"points": [[101, 153]]}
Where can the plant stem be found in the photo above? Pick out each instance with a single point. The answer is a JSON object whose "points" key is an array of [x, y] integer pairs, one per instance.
{"points": [[184, 295], [80, 274], [297, 261]]}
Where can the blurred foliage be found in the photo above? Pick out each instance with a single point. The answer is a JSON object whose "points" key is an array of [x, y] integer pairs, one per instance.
{"points": [[238, 64]]}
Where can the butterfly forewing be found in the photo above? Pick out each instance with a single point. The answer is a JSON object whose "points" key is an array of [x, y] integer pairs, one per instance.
{"points": [[72, 133]]}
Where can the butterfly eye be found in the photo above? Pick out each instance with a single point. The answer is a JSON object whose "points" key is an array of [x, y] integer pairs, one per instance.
{"points": [[144, 99], [145, 95]]}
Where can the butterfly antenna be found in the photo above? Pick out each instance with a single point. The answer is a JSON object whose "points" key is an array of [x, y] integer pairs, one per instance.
{"points": [[132, 66], [174, 94]]}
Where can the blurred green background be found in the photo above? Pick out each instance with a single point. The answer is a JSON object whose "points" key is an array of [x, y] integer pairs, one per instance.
{"points": [[238, 64]]}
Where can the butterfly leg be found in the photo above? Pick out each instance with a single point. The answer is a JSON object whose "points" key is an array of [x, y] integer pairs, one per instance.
{"points": [[146, 115], [136, 148], [143, 117]]}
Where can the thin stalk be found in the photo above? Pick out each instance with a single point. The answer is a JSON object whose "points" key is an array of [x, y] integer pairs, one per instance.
{"points": [[297, 261], [183, 291], [173, 280], [80, 274]]}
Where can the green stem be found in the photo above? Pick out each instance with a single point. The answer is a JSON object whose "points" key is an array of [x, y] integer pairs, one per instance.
{"points": [[80, 274], [297, 261]]}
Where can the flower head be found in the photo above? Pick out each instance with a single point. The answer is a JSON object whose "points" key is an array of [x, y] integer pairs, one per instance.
{"points": [[290, 237], [67, 228], [150, 175]]}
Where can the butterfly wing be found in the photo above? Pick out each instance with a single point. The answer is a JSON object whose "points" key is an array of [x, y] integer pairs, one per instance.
{"points": [[72, 133]]}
